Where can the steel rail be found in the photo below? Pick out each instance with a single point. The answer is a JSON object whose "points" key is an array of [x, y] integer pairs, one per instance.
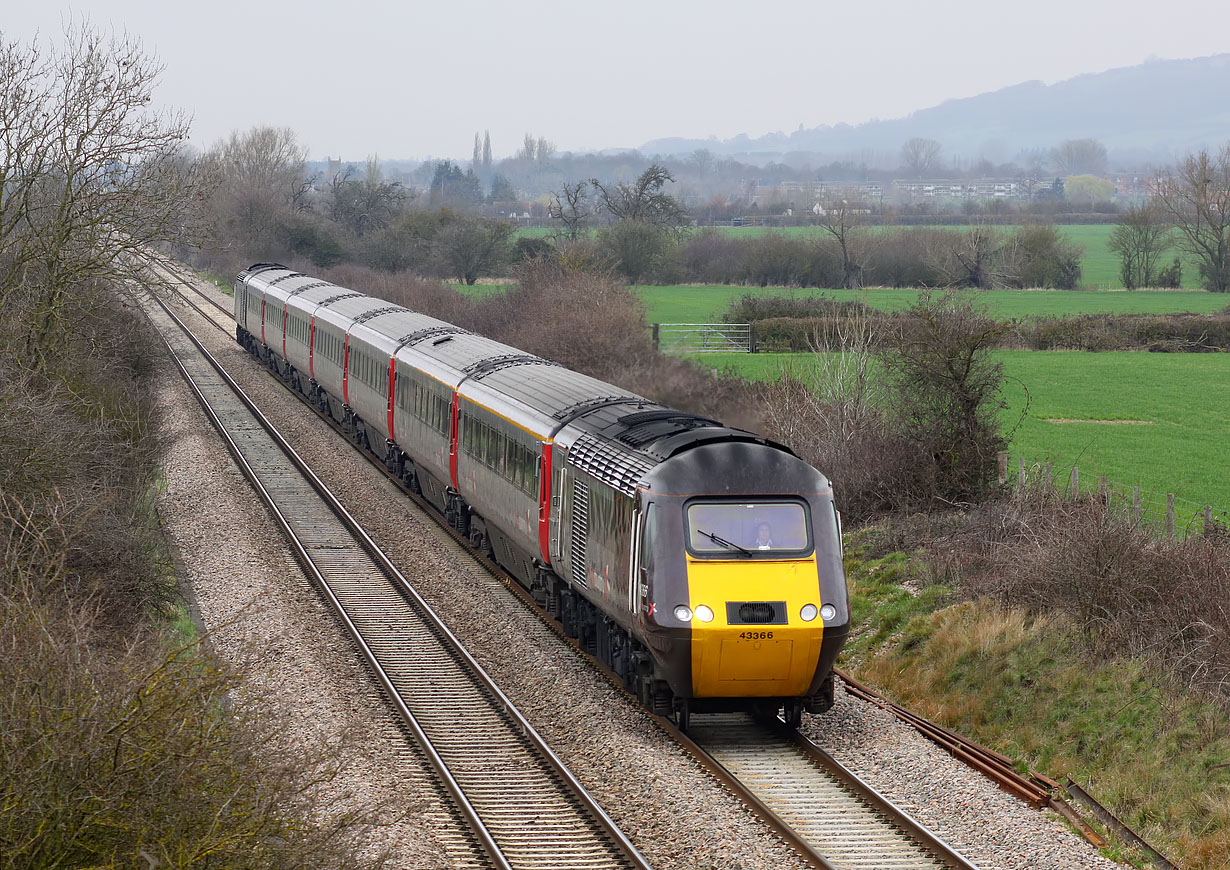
{"points": [[627, 855]]}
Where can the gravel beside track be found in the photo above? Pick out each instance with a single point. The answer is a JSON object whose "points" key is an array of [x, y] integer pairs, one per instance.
{"points": [[989, 827], [264, 618], [678, 816]]}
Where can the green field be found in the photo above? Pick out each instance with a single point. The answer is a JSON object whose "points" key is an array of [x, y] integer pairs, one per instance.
{"points": [[1181, 398], [686, 303]]}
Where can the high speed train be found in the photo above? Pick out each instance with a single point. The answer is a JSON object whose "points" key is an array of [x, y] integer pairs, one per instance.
{"points": [[700, 562]]}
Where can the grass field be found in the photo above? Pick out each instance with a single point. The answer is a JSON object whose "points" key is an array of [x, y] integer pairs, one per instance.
{"points": [[1180, 399], [685, 303]]}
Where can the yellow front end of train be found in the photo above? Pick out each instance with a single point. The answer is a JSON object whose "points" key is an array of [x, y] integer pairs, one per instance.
{"points": [[777, 654]]}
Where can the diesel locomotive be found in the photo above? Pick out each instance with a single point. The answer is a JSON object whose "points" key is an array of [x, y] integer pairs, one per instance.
{"points": [[700, 562]]}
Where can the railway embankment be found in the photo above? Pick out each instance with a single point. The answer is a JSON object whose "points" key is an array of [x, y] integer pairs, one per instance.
{"points": [[118, 742], [1059, 689]]}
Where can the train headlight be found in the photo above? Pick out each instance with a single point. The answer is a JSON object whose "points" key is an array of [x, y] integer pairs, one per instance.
{"points": [[683, 613], [827, 612], [808, 613], [704, 613]]}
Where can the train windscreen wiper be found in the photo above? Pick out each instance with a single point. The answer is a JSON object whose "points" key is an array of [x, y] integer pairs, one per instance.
{"points": [[730, 545]]}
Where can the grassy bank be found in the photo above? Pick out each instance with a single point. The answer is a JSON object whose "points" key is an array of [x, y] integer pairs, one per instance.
{"points": [[1030, 687]]}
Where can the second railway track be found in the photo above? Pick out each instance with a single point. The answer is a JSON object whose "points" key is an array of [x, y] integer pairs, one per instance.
{"points": [[826, 811], [524, 807]]}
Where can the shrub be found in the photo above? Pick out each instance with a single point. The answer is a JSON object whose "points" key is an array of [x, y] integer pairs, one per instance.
{"points": [[946, 393], [749, 309]]}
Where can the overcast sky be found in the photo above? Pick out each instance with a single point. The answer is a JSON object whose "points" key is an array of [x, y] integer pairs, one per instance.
{"points": [[405, 78]]}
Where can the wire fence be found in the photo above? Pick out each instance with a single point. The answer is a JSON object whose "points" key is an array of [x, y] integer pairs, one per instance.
{"points": [[1163, 511]]}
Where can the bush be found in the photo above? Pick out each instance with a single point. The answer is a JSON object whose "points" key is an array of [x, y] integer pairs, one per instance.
{"points": [[749, 309], [637, 249], [945, 395], [116, 747], [1045, 259], [120, 754]]}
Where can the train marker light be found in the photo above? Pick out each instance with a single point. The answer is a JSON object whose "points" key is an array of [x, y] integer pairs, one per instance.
{"points": [[808, 612], [683, 613], [828, 612], [704, 613]]}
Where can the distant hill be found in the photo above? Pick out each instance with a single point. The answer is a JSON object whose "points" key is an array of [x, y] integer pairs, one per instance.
{"points": [[1153, 111]]}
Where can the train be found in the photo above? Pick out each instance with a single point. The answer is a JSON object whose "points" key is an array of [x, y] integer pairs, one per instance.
{"points": [[701, 563]]}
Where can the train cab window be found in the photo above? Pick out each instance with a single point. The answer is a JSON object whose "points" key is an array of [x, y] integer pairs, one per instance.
{"points": [[740, 529]]}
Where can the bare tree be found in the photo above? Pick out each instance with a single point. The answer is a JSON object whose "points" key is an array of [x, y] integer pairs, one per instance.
{"points": [[968, 258], [921, 156], [1140, 239], [1195, 197], [570, 206], [478, 151], [843, 222], [529, 147], [487, 149], [258, 176], [91, 178], [470, 248], [366, 205], [544, 149], [643, 200], [1080, 157]]}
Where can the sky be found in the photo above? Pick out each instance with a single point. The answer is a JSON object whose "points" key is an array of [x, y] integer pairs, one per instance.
{"points": [[412, 79]]}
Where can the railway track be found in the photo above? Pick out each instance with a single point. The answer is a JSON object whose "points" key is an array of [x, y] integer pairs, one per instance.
{"points": [[821, 808], [522, 806]]}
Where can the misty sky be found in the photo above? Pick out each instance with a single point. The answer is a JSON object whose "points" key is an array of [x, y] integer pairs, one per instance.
{"points": [[415, 79]]}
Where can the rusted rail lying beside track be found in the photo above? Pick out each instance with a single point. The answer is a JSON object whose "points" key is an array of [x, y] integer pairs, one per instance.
{"points": [[1036, 789]]}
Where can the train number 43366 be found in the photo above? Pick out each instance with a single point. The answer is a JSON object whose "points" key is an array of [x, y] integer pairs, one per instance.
{"points": [[756, 635]]}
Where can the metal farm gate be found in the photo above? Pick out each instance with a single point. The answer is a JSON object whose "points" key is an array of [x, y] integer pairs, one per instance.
{"points": [[704, 337]]}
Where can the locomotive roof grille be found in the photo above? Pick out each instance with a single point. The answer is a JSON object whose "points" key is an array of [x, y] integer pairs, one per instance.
{"points": [[307, 287], [479, 370], [614, 467], [377, 312], [578, 409], [646, 427]]}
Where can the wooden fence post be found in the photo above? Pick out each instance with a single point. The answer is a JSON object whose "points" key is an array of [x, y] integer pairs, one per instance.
{"points": [[1020, 471], [655, 335], [751, 338], [1076, 483], [1001, 466], [1102, 491], [1208, 518], [1170, 514], [1136, 504], [1046, 476]]}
